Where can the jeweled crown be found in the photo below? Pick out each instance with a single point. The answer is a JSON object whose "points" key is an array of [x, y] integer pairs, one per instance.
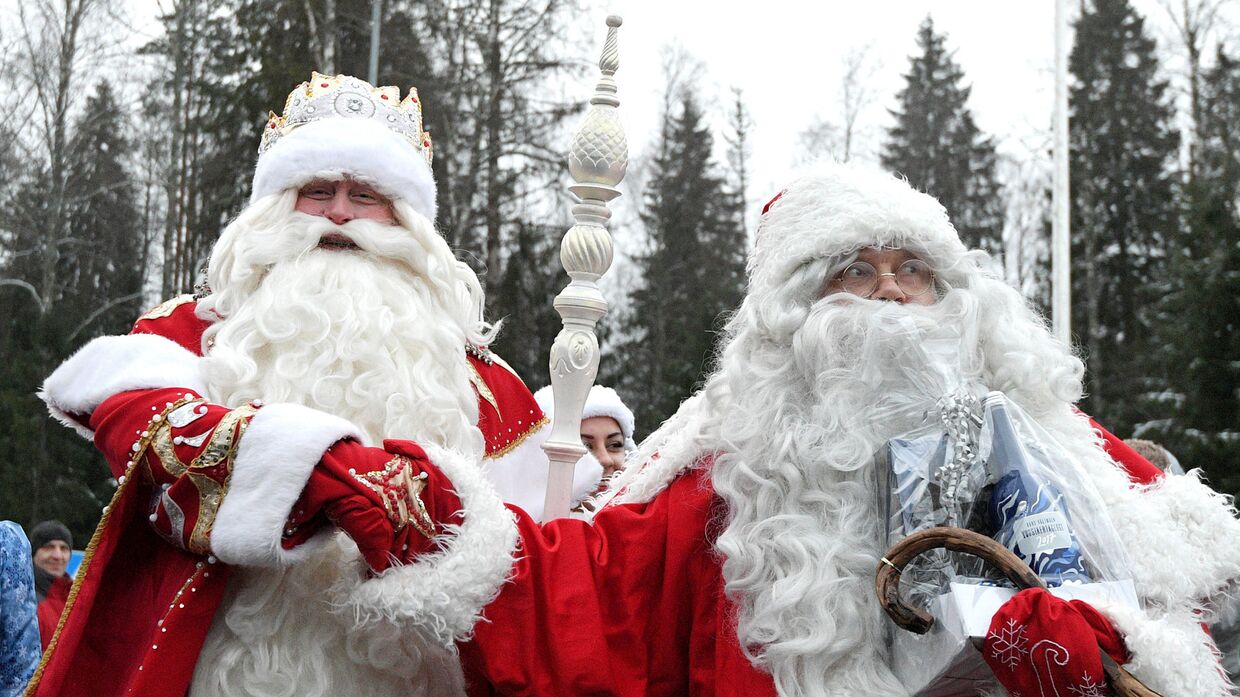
{"points": [[325, 97]]}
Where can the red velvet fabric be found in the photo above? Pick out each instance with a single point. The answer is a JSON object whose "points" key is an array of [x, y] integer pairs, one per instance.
{"points": [[1039, 644], [143, 606], [632, 605], [180, 324]]}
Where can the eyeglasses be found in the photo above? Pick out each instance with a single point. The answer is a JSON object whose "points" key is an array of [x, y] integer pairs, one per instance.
{"points": [[913, 277]]}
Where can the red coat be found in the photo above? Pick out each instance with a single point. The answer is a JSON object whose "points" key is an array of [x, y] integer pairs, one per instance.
{"points": [[632, 605], [51, 607], [149, 586]]}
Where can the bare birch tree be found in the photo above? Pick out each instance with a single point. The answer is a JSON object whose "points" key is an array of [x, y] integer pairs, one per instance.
{"points": [[496, 116], [324, 35], [56, 41], [1194, 21], [841, 140]]}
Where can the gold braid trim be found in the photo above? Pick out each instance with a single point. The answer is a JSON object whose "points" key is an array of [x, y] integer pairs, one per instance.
{"points": [[518, 440], [84, 568], [166, 308]]}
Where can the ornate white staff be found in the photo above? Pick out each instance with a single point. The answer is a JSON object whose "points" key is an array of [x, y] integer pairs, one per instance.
{"points": [[597, 161]]}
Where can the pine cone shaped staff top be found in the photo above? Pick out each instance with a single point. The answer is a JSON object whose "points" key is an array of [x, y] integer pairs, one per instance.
{"points": [[600, 151]]}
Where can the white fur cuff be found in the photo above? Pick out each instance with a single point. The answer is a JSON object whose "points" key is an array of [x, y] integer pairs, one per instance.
{"points": [[1171, 654], [280, 448], [110, 365], [442, 595]]}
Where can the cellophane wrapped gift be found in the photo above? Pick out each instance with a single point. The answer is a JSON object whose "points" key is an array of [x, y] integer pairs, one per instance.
{"points": [[974, 459]]}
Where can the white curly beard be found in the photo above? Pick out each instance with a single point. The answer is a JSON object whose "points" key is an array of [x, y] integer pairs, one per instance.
{"points": [[376, 336], [804, 397], [349, 333], [277, 634]]}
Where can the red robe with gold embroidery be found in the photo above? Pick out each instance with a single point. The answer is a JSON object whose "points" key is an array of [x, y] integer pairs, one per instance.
{"points": [[154, 575]]}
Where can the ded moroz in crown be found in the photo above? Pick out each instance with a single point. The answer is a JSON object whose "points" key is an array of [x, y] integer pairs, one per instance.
{"points": [[344, 126]]}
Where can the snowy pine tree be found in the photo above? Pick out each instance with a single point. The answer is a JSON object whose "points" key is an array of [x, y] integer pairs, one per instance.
{"points": [[936, 145], [532, 277], [692, 272], [1199, 326], [1123, 149]]}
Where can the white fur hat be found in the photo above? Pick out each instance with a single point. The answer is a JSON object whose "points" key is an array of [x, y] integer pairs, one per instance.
{"points": [[602, 401], [336, 126], [836, 209]]}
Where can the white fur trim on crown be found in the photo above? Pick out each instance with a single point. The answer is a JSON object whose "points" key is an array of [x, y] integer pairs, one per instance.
{"points": [[280, 448], [360, 148], [520, 475], [1181, 536], [111, 365], [834, 209], [1171, 654], [441, 596]]}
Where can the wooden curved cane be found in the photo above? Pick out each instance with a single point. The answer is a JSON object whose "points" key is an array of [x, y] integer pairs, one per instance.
{"points": [[887, 585]]}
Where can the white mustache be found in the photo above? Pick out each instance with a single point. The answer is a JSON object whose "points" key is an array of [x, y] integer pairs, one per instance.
{"points": [[305, 231]]}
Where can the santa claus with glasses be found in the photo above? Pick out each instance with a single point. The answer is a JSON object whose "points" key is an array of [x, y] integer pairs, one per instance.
{"points": [[737, 555]]}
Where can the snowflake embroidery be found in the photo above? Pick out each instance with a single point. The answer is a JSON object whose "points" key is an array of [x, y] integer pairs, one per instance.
{"points": [[1010, 644], [1089, 688]]}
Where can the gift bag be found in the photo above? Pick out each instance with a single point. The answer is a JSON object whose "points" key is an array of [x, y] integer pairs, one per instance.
{"points": [[976, 460]]}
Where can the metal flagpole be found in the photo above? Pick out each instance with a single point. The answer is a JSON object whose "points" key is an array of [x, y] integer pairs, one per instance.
{"points": [[597, 161], [1061, 290], [376, 13]]}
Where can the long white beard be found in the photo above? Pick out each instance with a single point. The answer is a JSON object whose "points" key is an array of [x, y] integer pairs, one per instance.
{"points": [[802, 540], [806, 392], [876, 369], [377, 337], [362, 338], [277, 634]]}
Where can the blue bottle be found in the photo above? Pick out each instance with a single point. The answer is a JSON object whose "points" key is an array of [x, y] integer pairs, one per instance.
{"points": [[1027, 514]]}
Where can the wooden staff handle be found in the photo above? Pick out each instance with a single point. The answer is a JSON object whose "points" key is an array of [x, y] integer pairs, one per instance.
{"points": [[887, 581], [913, 619]]}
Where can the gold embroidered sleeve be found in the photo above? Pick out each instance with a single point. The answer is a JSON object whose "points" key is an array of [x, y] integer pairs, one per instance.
{"points": [[187, 453]]}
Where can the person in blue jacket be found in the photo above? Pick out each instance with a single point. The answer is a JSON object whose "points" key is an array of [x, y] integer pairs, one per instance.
{"points": [[19, 626]]}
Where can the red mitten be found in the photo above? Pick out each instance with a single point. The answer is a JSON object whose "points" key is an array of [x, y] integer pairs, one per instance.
{"points": [[1041, 645], [378, 498]]}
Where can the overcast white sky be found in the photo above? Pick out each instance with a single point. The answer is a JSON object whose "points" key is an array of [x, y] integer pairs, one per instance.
{"points": [[787, 56]]}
